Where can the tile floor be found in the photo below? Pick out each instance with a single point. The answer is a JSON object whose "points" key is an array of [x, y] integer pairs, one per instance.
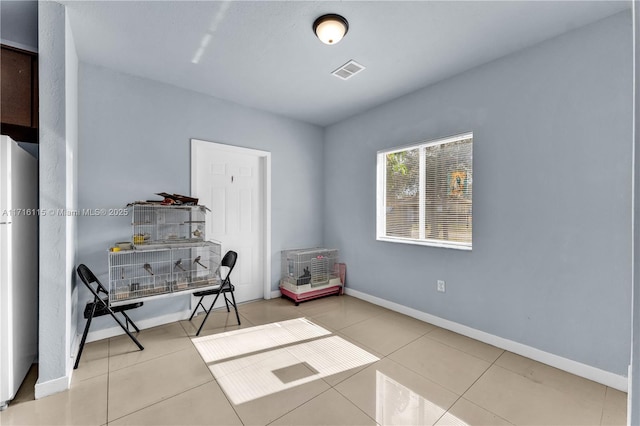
{"points": [[426, 375]]}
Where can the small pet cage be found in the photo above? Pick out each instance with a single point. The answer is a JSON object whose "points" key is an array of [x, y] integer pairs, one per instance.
{"points": [[310, 273], [158, 224], [152, 271]]}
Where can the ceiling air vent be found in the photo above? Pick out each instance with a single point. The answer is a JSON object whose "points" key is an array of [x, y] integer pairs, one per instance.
{"points": [[348, 70]]}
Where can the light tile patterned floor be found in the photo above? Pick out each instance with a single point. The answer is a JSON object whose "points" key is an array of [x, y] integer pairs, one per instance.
{"points": [[425, 375]]}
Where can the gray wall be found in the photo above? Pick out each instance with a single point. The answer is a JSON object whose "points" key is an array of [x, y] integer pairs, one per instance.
{"points": [[135, 141], [551, 260]]}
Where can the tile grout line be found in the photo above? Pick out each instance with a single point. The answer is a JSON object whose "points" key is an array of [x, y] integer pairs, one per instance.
{"points": [[407, 344], [463, 351], [298, 406], [162, 400], [353, 403], [470, 386], [147, 360], [350, 325], [604, 403]]}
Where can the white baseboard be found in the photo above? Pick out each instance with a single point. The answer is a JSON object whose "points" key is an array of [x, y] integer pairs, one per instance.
{"points": [[61, 383], [275, 294], [630, 402], [574, 367], [75, 345], [142, 324], [52, 386]]}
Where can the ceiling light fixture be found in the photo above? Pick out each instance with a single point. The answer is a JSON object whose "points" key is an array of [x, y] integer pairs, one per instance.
{"points": [[330, 28]]}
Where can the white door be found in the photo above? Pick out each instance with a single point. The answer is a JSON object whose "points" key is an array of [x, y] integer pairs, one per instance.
{"points": [[230, 181]]}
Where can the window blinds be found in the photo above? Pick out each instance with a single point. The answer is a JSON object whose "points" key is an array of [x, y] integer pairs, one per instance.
{"points": [[428, 193]]}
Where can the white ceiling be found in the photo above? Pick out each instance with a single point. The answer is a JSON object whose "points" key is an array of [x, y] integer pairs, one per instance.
{"points": [[263, 54]]}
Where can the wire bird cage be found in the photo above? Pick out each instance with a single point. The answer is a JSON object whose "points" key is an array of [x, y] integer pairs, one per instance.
{"points": [[148, 272], [306, 269], [157, 224]]}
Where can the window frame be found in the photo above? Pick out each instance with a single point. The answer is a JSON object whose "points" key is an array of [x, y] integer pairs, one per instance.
{"points": [[381, 199]]}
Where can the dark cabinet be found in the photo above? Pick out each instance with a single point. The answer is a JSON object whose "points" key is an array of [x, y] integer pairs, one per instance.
{"points": [[19, 94]]}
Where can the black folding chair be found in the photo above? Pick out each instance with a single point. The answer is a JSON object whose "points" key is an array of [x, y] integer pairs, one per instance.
{"points": [[229, 260], [100, 306]]}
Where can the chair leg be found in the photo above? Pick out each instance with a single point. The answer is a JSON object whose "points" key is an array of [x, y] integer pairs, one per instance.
{"points": [[135, 327], [235, 306], [226, 302], [84, 338], [113, 314], [207, 316], [196, 308]]}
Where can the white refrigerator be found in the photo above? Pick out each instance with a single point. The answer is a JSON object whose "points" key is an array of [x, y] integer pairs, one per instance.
{"points": [[18, 266]]}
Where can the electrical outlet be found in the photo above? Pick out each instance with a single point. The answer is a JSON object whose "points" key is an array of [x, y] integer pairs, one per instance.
{"points": [[441, 286]]}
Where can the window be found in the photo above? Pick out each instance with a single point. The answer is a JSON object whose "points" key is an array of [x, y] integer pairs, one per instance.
{"points": [[424, 193]]}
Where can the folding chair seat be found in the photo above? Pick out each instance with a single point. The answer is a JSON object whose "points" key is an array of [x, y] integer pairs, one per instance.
{"points": [[229, 260], [100, 306]]}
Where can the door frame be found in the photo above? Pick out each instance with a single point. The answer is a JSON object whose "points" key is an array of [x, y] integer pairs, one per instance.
{"points": [[265, 187]]}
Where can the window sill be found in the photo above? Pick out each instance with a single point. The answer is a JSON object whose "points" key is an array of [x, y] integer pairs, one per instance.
{"points": [[430, 243]]}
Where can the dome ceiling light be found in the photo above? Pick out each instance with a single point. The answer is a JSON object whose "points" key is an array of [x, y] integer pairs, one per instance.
{"points": [[330, 28]]}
